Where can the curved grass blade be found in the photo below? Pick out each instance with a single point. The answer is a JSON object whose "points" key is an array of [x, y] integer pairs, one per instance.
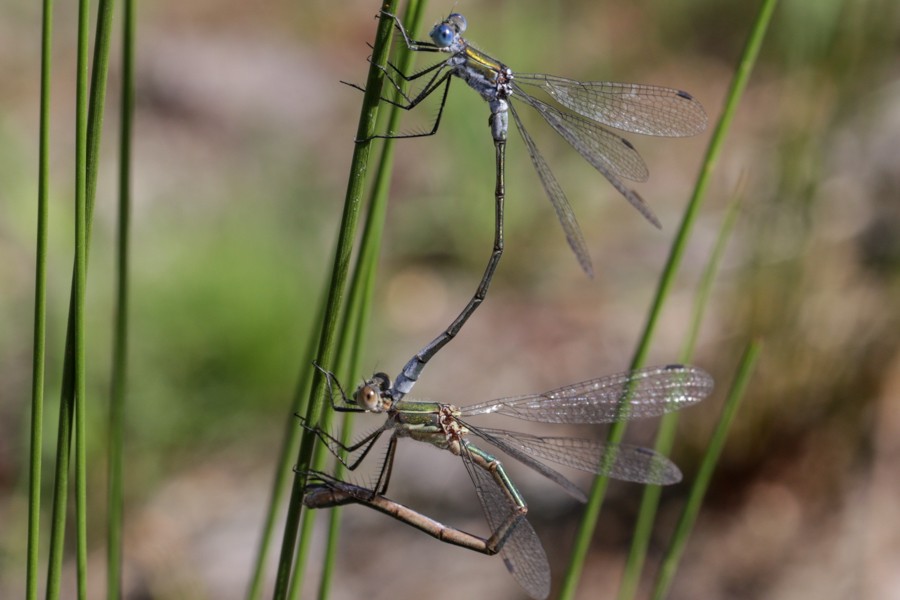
{"points": [[704, 474], [340, 269], [665, 437], [739, 82], [40, 311], [362, 287], [115, 460]]}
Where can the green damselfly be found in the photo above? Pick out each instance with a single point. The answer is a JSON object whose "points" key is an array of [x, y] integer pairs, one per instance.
{"points": [[643, 393]]}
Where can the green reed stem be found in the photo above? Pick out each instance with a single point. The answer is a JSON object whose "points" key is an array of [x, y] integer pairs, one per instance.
{"points": [[704, 474], [115, 460], [324, 357], [617, 431], [81, 105], [289, 446], [356, 320], [88, 145], [40, 312], [665, 437]]}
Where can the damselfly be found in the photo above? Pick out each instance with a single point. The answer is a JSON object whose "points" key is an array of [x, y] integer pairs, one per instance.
{"points": [[643, 393], [635, 108]]}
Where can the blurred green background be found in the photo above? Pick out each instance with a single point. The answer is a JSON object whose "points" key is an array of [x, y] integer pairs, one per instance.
{"points": [[243, 138]]}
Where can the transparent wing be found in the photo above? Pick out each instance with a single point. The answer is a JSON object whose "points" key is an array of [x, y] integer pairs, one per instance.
{"points": [[619, 461], [645, 109], [594, 142], [612, 156], [646, 392], [557, 199], [522, 553], [515, 450]]}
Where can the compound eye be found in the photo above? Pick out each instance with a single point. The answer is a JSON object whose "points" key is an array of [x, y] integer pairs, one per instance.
{"points": [[458, 21], [368, 398], [382, 380], [443, 35]]}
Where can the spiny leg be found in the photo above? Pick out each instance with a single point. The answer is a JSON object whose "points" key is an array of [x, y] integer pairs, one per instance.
{"points": [[427, 89], [435, 82], [331, 381], [413, 45], [387, 467], [445, 80], [336, 446]]}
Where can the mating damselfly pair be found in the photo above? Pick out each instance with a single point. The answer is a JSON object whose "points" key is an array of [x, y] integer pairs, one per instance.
{"points": [[587, 107]]}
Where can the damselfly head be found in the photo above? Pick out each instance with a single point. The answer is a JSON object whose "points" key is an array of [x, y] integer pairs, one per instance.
{"points": [[445, 33], [371, 395]]}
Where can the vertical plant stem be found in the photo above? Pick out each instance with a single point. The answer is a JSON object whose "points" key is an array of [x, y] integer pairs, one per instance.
{"points": [[347, 332], [704, 474], [115, 483], [617, 431], [287, 451], [306, 523], [40, 312], [61, 487], [334, 516], [364, 278], [665, 437], [89, 173], [81, 105], [358, 169]]}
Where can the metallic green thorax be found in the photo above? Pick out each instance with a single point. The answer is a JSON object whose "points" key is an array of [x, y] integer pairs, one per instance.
{"points": [[489, 67], [439, 425], [430, 422]]}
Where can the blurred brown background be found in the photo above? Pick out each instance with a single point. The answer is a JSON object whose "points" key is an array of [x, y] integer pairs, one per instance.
{"points": [[243, 140]]}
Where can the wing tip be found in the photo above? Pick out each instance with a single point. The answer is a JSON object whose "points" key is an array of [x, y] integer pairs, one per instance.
{"points": [[642, 207], [586, 266]]}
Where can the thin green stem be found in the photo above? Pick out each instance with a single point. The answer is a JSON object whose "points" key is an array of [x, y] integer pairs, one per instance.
{"points": [[704, 474], [360, 330], [99, 71], [40, 312], [340, 269], [115, 492], [88, 172], [363, 286], [617, 431], [347, 332], [665, 437], [288, 450], [61, 485], [81, 105]]}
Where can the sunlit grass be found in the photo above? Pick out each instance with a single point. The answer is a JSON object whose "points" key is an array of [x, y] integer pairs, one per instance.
{"points": [[325, 355], [215, 325], [667, 278]]}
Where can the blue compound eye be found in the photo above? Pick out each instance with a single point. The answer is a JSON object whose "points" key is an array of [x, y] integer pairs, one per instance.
{"points": [[458, 21], [443, 35]]}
